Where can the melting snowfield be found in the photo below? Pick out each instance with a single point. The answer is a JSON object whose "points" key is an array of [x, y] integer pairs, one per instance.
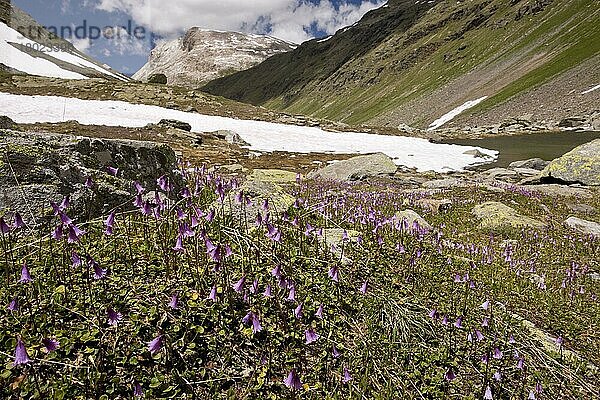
{"points": [[12, 57], [262, 136], [19, 60], [591, 90], [454, 113]]}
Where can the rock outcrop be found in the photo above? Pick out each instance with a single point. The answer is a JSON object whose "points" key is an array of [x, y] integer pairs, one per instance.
{"points": [[262, 185], [533, 163], [497, 216], [572, 122], [581, 165], [172, 123], [446, 183], [6, 123], [37, 168], [336, 239], [411, 221], [583, 226], [435, 206], [357, 168], [581, 208], [273, 176], [230, 137], [560, 191]]}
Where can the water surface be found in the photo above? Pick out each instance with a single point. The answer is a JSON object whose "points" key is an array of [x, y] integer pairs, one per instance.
{"points": [[546, 146]]}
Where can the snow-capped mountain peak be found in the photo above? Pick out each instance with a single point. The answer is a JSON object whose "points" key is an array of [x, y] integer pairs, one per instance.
{"points": [[202, 55]]}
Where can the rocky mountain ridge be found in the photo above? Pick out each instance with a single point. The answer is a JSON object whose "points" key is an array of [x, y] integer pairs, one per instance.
{"points": [[202, 55]]}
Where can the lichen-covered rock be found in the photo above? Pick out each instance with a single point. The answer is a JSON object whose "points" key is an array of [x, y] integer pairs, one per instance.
{"points": [[6, 123], [500, 173], [336, 238], [357, 168], [261, 185], [434, 205], [173, 123], [497, 216], [548, 341], [136, 160], [30, 200], [560, 191], [273, 175], [583, 226], [527, 172], [581, 208], [581, 165], [48, 167], [271, 185]]}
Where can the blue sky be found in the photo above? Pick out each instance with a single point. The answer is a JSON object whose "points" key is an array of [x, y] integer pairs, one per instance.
{"points": [[292, 20]]}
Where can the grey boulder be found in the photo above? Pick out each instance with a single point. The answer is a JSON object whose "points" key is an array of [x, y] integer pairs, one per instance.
{"points": [[6, 123], [532, 163], [581, 165], [357, 168], [583, 226], [50, 166], [173, 123], [411, 220], [496, 216]]}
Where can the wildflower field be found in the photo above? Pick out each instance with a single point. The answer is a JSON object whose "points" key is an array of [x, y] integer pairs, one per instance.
{"points": [[183, 294]]}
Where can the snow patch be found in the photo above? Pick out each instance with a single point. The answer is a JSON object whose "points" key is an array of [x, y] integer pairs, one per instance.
{"points": [[591, 90], [452, 114], [262, 136], [12, 57]]}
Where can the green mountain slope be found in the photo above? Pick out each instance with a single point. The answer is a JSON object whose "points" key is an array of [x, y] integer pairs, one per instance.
{"points": [[411, 62]]}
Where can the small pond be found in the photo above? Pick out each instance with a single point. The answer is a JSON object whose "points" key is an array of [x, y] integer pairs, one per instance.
{"points": [[546, 146]]}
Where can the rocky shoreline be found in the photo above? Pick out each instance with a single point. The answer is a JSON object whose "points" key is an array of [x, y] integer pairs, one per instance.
{"points": [[524, 125]]}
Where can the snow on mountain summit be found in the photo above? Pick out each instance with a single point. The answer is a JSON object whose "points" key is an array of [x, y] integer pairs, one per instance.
{"points": [[202, 55]]}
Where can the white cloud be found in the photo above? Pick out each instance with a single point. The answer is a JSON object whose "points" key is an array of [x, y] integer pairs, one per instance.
{"points": [[120, 42], [287, 19], [64, 6], [82, 45]]}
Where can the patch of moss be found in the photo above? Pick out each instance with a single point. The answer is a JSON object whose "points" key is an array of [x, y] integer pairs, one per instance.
{"points": [[30, 151], [104, 178]]}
